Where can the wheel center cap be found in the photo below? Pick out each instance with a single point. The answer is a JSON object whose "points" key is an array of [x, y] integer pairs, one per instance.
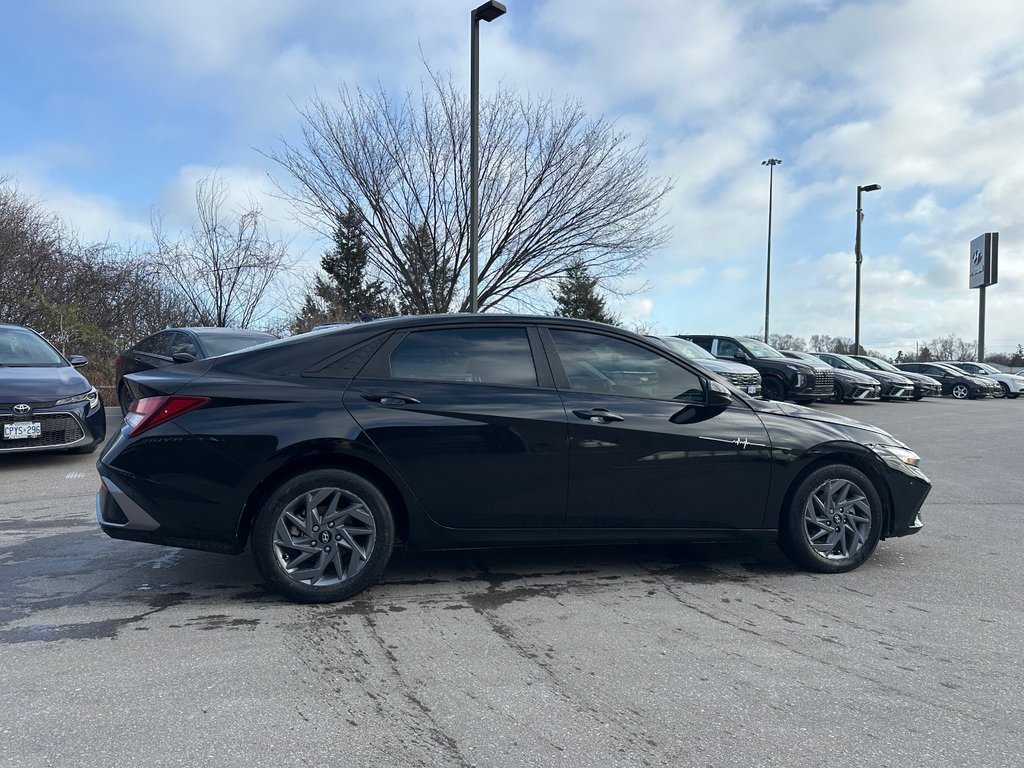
{"points": [[325, 536], [837, 518]]}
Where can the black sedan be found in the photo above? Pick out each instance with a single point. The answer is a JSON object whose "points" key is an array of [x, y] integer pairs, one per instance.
{"points": [[955, 382], [321, 451], [45, 403], [924, 386], [180, 345]]}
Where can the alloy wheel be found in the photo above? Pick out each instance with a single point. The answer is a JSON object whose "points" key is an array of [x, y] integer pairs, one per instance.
{"points": [[324, 537], [837, 519], [960, 391]]}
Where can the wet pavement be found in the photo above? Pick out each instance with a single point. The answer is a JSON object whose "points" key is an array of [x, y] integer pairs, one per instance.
{"points": [[116, 653]]}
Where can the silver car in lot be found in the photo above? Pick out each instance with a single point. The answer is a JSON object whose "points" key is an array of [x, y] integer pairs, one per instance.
{"points": [[1011, 384], [739, 375]]}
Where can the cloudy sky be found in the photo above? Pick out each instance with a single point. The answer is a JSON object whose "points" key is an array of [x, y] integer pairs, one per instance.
{"points": [[111, 109]]}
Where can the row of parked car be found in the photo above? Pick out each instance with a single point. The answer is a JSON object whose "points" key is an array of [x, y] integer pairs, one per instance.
{"points": [[760, 369], [45, 403]]}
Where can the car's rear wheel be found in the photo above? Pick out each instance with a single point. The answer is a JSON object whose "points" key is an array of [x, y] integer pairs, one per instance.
{"points": [[124, 398], [960, 391], [773, 389], [323, 536], [834, 520]]}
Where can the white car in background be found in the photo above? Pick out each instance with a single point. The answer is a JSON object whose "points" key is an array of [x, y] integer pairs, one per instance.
{"points": [[1012, 384]]}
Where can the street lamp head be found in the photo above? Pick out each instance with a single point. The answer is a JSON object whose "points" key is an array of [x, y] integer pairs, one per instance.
{"points": [[771, 161], [870, 188], [489, 11]]}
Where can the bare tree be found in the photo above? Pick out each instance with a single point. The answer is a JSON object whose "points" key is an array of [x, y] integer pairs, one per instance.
{"points": [[556, 189], [226, 265]]}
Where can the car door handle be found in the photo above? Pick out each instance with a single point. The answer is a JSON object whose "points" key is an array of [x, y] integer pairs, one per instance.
{"points": [[390, 398], [598, 415]]}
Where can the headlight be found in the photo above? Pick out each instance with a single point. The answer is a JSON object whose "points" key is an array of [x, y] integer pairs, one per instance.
{"points": [[92, 397], [893, 453]]}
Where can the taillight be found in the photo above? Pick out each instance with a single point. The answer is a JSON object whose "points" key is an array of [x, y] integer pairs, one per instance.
{"points": [[149, 412]]}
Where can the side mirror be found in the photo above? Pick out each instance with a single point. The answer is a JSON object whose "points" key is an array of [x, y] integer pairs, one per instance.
{"points": [[183, 357], [739, 356], [78, 361], [718, 396]]}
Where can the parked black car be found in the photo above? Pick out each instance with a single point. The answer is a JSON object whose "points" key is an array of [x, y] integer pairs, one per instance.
{"points": [[320, 451], [895, 386], [739, 375], [781, 377], [954, 381], [850, 386], [180, 345], [45, 403], [924, 386]]}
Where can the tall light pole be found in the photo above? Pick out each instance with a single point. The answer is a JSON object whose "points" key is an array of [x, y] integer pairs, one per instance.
{"points": [[489, 11], [860, 258], [771, 162]]}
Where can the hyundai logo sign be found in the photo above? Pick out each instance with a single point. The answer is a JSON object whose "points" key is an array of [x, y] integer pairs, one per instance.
{"points": [[983, 269]]}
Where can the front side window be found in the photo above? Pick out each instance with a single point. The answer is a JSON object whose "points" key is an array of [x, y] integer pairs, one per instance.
{"points": [[600, 364], [158, 344], [496, 356], [727, 348]]}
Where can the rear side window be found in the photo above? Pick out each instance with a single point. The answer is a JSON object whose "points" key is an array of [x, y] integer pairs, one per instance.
{"points": [[180, 342], [497, 356]]}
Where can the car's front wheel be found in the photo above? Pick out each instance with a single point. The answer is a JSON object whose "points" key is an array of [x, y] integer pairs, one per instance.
{"points": [[773, 389], [960, 391], [323, 536], [834, 520]]}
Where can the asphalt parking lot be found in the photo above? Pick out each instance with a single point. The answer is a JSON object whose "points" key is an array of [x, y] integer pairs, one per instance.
{"points": [[114, 653]]}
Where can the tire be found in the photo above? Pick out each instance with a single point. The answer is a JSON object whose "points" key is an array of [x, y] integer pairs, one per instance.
{"points": [[960, 391], [837, 393], [1006, 390], [808, 534], [350, 554], [773, 389], [124, 398]]}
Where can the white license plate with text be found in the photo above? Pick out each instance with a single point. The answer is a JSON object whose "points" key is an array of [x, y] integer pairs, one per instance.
{"points": [[23, 430]]}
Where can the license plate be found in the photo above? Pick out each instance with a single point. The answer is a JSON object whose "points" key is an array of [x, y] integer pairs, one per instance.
{"points": [[22, 430], [751, 389]]}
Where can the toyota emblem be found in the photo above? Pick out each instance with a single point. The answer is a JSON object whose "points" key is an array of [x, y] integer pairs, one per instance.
{"points": [[21, 409]]}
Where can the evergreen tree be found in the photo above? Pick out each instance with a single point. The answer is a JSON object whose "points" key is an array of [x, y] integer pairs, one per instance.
{"points": [[345, 294], [577, 296], [430, 284]]}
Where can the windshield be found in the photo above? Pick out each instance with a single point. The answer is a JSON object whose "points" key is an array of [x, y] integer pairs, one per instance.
{"points": [[21, 348], [856, 364], [817, 362], [220, 344], [685, 348], [760, 349], [981, 366], [885, 366]]}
